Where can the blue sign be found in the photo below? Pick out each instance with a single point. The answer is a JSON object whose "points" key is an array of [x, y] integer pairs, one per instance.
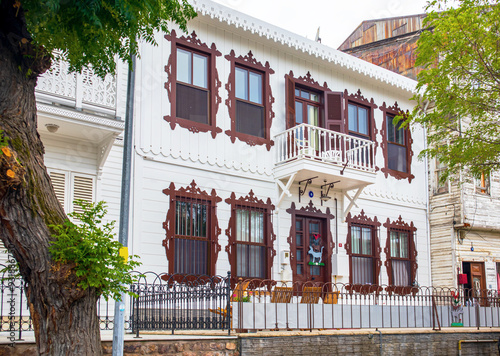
{"points": [[311, 194]]}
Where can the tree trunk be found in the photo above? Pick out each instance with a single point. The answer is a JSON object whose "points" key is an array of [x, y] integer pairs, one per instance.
{"points": [[64, 315]]}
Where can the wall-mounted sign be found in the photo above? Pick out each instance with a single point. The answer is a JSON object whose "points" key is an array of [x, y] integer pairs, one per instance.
{"points": [[311, 194]]}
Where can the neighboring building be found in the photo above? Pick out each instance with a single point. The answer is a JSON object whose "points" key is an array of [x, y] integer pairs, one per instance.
{"points": [[464, 221], [390, 43], [80, 119], [259, 152]]}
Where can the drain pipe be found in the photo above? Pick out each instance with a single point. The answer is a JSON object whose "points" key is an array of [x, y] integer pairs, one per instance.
{"points": [[460, 342], [380, 339], [370, 336], [336, 228]]}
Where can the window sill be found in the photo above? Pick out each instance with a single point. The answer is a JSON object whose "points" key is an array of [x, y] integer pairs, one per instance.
{"points": [[397, 174], [192, 126], [249, 139]]}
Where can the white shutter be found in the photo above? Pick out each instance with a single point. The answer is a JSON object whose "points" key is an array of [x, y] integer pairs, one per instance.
{"points": [[83, 189], [59, 183]]}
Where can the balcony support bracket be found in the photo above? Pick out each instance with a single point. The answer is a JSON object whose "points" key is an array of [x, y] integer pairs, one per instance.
{"points": [[353, 200], [303, 191], [285, 189]]}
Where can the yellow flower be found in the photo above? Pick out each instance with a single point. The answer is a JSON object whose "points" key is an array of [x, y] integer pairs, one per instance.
{"points": [[6, 151], [10, 173]]}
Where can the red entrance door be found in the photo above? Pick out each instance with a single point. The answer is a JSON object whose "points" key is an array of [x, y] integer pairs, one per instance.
{"points": [[310, 250]]}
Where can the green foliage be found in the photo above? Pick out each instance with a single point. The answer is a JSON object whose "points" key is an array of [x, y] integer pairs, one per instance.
{"points": [[92, 32], [91, 247], [461, 81]]}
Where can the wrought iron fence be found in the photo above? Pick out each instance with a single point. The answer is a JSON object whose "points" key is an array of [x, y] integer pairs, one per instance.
{"points": [[174, 302], [181, 302], [288, 306], [164, 302]]}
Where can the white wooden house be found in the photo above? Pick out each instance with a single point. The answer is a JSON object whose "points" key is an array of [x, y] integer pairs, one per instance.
{"points": [[256, 151]]}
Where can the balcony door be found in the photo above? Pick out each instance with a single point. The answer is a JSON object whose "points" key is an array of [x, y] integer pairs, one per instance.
{"points": [[310, 250]]}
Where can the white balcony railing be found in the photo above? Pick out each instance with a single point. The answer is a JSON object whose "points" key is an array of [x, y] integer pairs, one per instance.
{"points": [[78, 90], [311, 142]]}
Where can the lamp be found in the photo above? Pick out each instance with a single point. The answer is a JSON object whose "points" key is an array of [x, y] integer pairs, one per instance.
{"points": [[52, 128]]}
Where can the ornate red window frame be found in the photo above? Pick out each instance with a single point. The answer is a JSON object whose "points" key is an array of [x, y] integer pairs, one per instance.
{"points": [[193, 193], [400, 225], [194, 44], [359, 100], [394, 111], [250, 202], [362, 220], [250, 62]]}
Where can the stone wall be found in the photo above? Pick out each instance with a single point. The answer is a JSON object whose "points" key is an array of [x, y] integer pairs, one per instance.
{"points": [[437, 343], [203, 347], [359, 342]]}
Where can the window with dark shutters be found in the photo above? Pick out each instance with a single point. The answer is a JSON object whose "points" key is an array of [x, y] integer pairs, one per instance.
{"points": [[334, 112], [330, 113], [193, 84], [192, 231], [396, 145], [250, 100]]}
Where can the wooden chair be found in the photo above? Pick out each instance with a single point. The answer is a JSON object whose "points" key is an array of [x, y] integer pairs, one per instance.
{"points": [[311, 295], [281, 295], [331, 298], [238, 292]]}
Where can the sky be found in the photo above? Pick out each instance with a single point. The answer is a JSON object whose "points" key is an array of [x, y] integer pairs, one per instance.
{"points": [[337, 19]]}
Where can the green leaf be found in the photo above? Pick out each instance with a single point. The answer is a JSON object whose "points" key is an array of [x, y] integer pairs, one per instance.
{"points": [[92, 247]]}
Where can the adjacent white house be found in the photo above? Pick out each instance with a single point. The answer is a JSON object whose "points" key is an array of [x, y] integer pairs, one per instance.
{"points": [[256, 151]]}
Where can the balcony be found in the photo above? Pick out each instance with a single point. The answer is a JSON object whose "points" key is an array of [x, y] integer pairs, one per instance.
{"points": [[307, 151], [78, 107], [83, 90]]}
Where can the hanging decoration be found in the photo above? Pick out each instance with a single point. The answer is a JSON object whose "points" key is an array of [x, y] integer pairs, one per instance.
{"points": [[457, 310], [316, 256]]}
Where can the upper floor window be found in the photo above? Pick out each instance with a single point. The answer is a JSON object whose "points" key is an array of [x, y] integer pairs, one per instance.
{"points": [[358, 121], [483, 184], [440, 185], [193, 84], [307, 107], [192, 230], [250, 235], [400, 255], [308, 102], [363, 250], [192, 94], [396, 145], [249, 100]]}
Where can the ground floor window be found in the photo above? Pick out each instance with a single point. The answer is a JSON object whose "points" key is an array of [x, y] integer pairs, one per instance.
{"points": [[192, 231], [250, 237], [363, 250], [401, 253]]}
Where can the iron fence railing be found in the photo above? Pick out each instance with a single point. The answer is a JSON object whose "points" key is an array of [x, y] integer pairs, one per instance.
{"points": [[164, 302], [288, 306], [181, 302], [175, 302]]}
